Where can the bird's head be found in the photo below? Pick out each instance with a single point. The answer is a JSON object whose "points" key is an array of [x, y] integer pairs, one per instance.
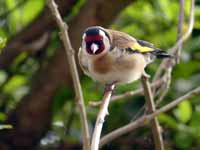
{"points": [[96, 40]]}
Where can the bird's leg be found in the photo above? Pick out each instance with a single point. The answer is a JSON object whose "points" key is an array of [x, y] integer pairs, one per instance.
{"points": [[146, 75], [109, 87], [108, 91]]}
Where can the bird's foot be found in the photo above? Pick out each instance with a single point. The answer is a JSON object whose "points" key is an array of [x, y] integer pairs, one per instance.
{"points": [[109, 87], [146, 75]]}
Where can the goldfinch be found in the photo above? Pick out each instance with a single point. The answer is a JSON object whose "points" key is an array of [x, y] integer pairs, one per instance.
{"points": [[110, 56]]}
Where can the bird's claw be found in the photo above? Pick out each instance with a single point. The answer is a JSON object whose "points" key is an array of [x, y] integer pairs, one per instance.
{"points": [[146, 75]]}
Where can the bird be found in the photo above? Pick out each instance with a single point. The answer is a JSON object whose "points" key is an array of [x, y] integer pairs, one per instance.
{"points": [[114, 57]]}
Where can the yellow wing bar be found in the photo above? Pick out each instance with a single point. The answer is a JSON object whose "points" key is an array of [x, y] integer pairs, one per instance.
{"points": [[142, 49]]}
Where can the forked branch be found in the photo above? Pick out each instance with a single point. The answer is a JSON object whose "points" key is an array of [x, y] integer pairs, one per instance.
{"points": [[146, 118], [166, 63], [128, 94]]}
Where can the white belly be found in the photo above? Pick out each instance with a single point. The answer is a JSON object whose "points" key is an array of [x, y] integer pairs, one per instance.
{"points": [[124, 70], [119, 77]]}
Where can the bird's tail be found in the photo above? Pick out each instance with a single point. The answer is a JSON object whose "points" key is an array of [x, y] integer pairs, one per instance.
{"points": [[161, 54]]}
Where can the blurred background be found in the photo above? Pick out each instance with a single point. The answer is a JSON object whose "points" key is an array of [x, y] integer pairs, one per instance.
{"points": [[36, 91]]}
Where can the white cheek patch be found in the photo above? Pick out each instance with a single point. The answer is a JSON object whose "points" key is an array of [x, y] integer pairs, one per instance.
{"points": [[83, 37], [105, 39], [102, 33]]}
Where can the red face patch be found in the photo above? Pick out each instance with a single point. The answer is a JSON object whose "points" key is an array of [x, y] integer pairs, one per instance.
{"points": [[93, 38], [98, 40]]}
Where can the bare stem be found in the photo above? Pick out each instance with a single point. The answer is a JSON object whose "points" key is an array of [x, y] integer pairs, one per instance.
{"points": [[189, 31], [179, 42], [166, 86], [145, 119], [157, 135], [100, 118], [180, 28], [176, 49], [74, 73]]}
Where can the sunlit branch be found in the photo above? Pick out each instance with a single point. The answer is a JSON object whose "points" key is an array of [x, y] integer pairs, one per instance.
{"points": [[146, 118], [101, 117], [73, 69], [166, 63], [157, 135], [128, 94]]}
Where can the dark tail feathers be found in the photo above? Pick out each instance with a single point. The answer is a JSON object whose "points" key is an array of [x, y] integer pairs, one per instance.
{"points": [[161, 54]]}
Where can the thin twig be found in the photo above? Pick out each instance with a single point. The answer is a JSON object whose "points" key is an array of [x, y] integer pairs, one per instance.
{"points": [[189, 31], [140, 112], [177, 52], [157, 135], [100, 118], [180, 29], [145, 119], [178, 43], [166, 86], [73, 69], [69, 121], [127, 94]]}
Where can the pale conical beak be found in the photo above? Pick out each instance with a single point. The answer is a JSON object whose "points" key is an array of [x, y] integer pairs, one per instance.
{"points": [[94, 48]]}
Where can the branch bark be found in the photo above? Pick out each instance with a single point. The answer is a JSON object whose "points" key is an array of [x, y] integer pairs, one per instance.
{"points": [[74, 72], [100, 118], [157, 135], [166, 63], [176, 49], [146, 118], [128, 94], [180, 29]]}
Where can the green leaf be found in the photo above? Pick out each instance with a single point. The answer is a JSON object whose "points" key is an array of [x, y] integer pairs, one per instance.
{"points": [[168, 121], [184, 111], [31, 9], [183, 140], [195, 122], [14, 19], [5, 126], [2, 42], [3, 76], [2, 116], [14, 83], [63, 94], [23, 15]]}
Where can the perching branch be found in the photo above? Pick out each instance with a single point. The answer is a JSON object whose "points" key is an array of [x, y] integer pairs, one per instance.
{"points": [[73, 68], [146, 118], [166, 64], [128, 94], [157, 135], [100, 118]]}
